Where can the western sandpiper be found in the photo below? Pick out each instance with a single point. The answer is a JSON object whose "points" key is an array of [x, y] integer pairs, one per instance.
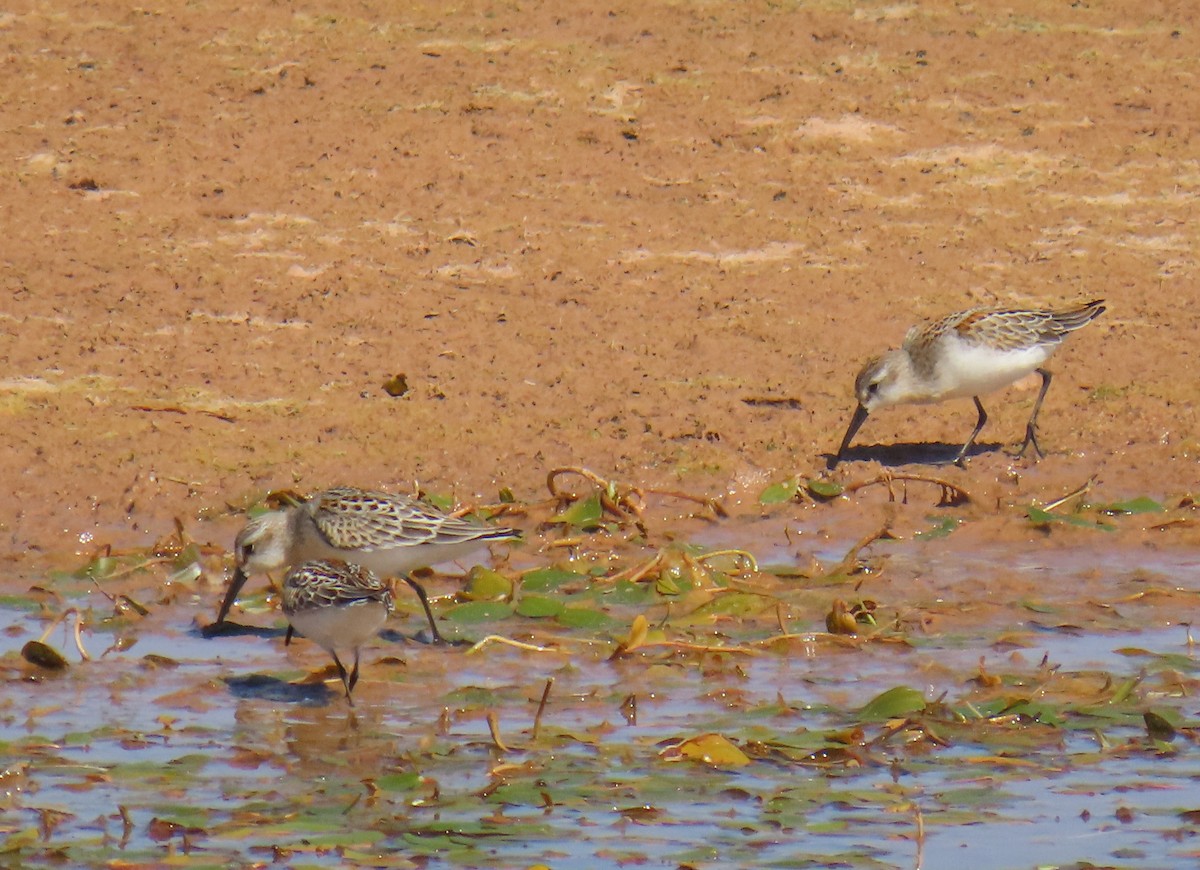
{"points": [[969, 353], [388, 534], [336, 605]]}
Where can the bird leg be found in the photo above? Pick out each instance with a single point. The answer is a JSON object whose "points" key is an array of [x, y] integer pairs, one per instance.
{"points": [[346, 681], [354, 673], [962, 454], [1031, 426], [420, 590]]}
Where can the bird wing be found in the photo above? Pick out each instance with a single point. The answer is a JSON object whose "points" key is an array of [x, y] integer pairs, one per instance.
{"points": [[354, 519]]}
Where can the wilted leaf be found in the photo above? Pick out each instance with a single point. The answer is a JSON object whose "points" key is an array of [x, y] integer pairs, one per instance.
{"points": [[153, 661], [396, 385], [1158, 727], [637, 634], [839, 620], [20, 840], [43, 655]]}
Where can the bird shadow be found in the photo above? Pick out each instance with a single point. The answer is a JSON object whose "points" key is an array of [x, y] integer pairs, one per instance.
{"points": [[909, 453], [236, 629], [422, 637], [266, 688]]}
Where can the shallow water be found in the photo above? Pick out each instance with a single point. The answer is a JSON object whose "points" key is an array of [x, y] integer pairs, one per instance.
{"points": [[218, 741], [217, 738]]}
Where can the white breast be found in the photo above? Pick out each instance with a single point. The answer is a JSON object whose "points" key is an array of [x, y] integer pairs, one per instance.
{"points": [[974, 369], [343, 626]]}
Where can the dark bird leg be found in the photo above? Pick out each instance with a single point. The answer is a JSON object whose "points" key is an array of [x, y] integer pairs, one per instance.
{"points": [[1031, 426], [425, 603], [960, 460], [291, 632], [354, 673], [345, 677]]}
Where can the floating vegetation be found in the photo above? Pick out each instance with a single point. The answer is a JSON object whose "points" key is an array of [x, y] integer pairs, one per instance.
{"points": [[620, 696], [820, 490]]}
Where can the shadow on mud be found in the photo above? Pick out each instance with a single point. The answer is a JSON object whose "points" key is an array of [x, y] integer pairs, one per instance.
{"points": [[910, 453]]}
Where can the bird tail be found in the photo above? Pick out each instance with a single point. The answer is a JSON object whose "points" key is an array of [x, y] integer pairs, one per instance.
{"points": [[1070, 319]]}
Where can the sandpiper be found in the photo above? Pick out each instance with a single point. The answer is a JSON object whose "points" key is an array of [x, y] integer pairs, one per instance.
{"points": [[969, 353], [336, 604], [388, 534]]}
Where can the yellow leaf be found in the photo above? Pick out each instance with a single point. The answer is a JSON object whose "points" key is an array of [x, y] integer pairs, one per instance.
{"points": [[714, 749], [637, 634], [1000, 761]]}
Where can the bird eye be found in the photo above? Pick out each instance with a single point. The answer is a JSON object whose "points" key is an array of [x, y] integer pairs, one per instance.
{"points": [[872, 388]]}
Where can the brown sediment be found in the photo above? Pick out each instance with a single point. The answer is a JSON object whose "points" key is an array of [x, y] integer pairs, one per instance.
{"points": [[656, 241]]}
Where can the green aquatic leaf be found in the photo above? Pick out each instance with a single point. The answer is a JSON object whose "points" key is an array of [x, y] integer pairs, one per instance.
{"points": [[777, 493], [484, 584], [824, 488], [1174, 661], [472, 696], [734, 604], [585, 618], [20, 602], [376, 859], [549, 579], [1045, 713], [523, 793], [441, 502], [538, 606], [479, 611], [398, 781], [942, 526], [345, 838], [98, 568], [667, 584], [19, 840], [895, 703], [1124, 690], [1141, 505], [585, 513], [625, 592], [1044, 519]]}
